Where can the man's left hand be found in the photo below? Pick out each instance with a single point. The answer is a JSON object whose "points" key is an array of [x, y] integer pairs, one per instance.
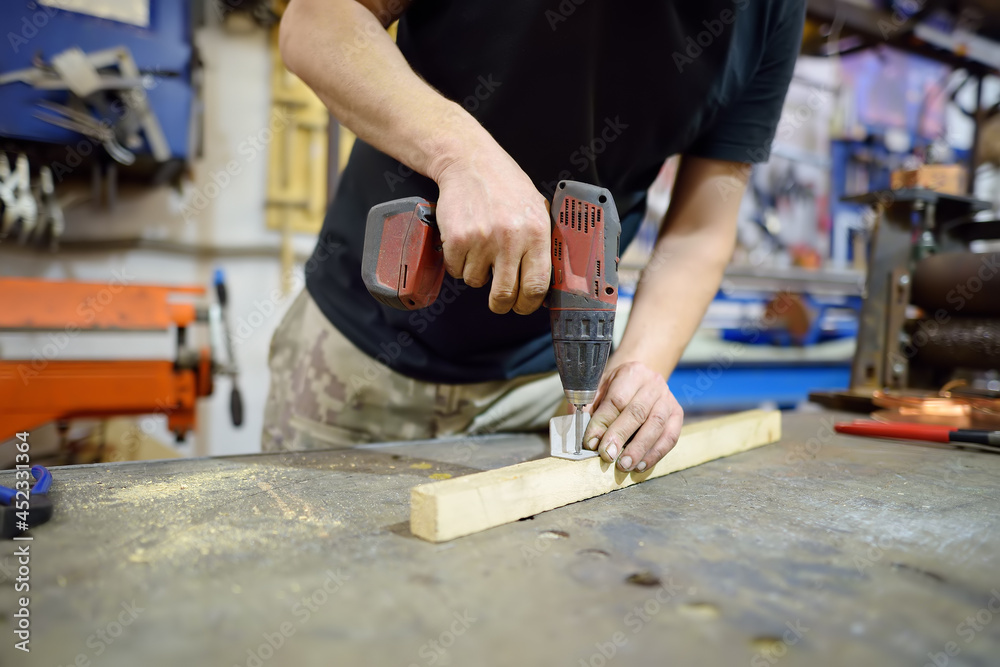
{"points": [[633, 401]]}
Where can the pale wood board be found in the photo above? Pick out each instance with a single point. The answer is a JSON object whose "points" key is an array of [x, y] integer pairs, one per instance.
{"points": [[444, 510]]}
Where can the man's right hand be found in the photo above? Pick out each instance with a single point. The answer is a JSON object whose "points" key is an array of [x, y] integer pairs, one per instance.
{"points": [[492, 218], [490, 215]]}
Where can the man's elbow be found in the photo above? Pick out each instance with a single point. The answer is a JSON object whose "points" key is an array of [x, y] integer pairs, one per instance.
{"points": [[290, 39]]}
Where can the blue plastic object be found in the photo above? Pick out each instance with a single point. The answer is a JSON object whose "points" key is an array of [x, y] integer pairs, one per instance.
{"points": [[43, 481], [18, 517]]}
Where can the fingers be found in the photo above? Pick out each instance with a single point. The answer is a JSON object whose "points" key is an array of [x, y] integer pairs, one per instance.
{"points": [[494, 224], [454, 260], [636, 420], [457, 240], [646, 436], [661, 429], [665, 442], [629, 420], [529, 240], [603, 411], [520, 271], [476, 271], [519, 284], [536, 274], [468, 254], [619, 395], [504, 291]]}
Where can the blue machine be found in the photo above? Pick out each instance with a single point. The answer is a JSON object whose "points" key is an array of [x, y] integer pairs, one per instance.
{"points": [[744, 386], [163, 52], [728, 382]]}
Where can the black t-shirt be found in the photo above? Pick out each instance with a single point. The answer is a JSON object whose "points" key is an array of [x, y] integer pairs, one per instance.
{"points": [[599, 91]]}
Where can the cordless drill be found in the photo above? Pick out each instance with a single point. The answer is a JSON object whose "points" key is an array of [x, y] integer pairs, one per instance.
{"points": [[403, 267]]}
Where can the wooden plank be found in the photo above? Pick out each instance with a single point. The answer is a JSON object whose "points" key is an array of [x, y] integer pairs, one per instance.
{"points": [[442, 511]]}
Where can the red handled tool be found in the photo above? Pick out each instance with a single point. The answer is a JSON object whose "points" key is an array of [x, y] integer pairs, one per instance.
{"points": [[926, 432], [403, 267]]}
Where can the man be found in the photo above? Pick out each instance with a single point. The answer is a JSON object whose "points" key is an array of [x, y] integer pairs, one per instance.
{"points": [[483, 106]]}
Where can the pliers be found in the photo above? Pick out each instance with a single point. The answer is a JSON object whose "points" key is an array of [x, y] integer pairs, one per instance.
{"points": [[22, 510], [85, 124]]}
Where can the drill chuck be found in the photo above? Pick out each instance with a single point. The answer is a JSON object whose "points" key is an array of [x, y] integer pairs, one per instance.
{"points": [[582, 340]]}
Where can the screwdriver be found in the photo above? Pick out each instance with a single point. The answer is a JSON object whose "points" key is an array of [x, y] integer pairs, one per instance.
{"points": [[925, 432]]}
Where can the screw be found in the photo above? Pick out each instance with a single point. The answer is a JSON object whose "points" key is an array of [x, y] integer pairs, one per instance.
{"points": [[904, 280], [898, 369]]}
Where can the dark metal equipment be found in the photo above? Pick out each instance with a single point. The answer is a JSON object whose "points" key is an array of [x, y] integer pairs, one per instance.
{"points": [[931, 313]]}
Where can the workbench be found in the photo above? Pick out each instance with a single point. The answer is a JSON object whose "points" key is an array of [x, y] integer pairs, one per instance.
{"points": [[818, 550]]}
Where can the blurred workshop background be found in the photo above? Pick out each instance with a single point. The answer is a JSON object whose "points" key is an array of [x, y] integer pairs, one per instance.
{"points": [[163, 179]]}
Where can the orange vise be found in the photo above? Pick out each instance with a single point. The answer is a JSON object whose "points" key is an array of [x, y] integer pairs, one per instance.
{"points": [[45, 386]]}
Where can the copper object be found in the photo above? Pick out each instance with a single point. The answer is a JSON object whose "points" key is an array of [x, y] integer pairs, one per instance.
{"points": [[945, 409]]}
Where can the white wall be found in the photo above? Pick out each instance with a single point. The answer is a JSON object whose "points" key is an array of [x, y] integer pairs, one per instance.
{"points": [[237, 107]]}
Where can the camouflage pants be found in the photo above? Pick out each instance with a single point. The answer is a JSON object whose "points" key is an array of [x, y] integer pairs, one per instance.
{"points": [[327, 393]]}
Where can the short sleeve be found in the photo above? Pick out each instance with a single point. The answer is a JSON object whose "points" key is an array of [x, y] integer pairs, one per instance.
{"points": [[744, 131]]}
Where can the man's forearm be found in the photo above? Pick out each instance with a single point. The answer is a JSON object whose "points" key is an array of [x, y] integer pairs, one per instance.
{"points": [[493, 221], [687, 265], [670, 301], [341, 50]]}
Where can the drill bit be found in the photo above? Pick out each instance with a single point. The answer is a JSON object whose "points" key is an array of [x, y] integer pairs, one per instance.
{"points": [[578, 415]]}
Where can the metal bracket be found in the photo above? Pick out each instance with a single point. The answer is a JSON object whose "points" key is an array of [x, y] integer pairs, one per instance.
{"points": [[563, 438], [896, 368]]}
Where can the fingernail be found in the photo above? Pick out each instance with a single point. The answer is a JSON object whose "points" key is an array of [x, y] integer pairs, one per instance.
{"points": [[641, 466], [612, 452], [626, 462], [592, 443]]}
